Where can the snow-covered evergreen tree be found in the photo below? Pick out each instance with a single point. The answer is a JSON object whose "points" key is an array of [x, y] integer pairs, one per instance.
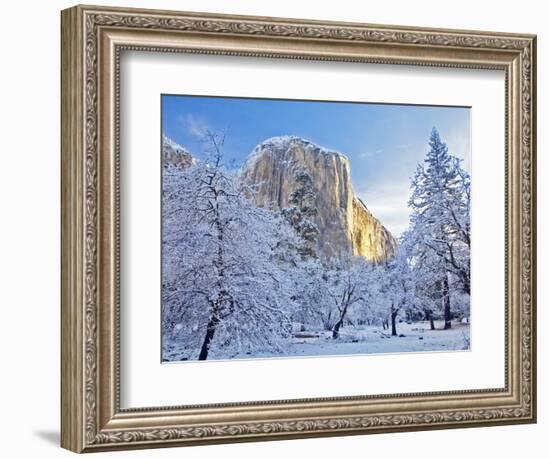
{"points": [[302, 201], [440, 221]]}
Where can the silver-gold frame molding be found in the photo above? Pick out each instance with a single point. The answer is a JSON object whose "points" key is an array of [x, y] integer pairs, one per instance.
{"points": [[92, 40]]}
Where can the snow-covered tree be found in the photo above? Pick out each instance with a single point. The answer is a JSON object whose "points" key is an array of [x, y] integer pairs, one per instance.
{"points": [[224, 290], [440, 220], [301, 211], [310, 298], [396, 287], [349, 287], [425, 266]]}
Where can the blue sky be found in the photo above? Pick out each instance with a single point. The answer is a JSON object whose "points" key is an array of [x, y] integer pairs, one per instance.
{"points": [[383, 142]]}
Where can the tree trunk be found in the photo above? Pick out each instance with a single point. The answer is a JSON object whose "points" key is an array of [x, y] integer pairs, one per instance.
{"points": [[430, 318], [210, 330], [393, 326], [466, 283], [216, 306], [446, 302], [336, 329], [343, 311]]}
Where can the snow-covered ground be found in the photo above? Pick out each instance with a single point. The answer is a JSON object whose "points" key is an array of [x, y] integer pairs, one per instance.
{"points": [[413, 337]]}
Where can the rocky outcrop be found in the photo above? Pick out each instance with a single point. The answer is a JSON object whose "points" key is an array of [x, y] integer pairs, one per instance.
{"points": [[345, 224], [369, 238], [174, 153]]}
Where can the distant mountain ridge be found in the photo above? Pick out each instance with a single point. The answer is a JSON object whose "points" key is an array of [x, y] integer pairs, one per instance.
{"points": [[345, 223]]}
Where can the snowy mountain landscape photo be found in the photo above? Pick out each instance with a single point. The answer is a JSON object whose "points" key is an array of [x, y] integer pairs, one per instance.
{"points": [[305, 228]]}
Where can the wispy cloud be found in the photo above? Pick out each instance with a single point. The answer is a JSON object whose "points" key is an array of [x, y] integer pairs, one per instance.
{"points": [[366, 154], [369, 154], [388, 203], [194, 125]]}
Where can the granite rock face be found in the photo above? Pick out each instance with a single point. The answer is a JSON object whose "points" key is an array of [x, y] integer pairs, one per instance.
{"points": [[175, 154], [345, 224]]}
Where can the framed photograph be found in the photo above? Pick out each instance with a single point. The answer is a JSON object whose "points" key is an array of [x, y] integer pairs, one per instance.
{"points": [[278, 228]]}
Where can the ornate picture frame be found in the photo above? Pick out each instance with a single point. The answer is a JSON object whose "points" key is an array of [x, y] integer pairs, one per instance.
{"points": [[93, 39]]}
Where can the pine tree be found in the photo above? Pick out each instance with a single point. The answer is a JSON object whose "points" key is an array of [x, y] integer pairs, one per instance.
{"points": [[440, 220], [301, 212]]}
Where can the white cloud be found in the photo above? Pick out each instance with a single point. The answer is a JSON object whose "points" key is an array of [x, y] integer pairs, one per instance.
{"points": [[388, 203], [194, 125]]}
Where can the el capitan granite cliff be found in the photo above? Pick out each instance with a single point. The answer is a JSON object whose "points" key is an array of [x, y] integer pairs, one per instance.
{"points": [[345, 224]]}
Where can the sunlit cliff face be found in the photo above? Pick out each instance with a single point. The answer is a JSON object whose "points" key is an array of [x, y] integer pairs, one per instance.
{"points": [[346, 225]]}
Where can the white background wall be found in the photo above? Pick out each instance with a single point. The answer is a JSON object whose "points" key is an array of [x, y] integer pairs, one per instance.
{"points": [[29, 228]]}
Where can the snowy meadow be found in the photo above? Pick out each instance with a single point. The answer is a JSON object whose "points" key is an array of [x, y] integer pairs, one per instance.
{"points": [[278, 257]]}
